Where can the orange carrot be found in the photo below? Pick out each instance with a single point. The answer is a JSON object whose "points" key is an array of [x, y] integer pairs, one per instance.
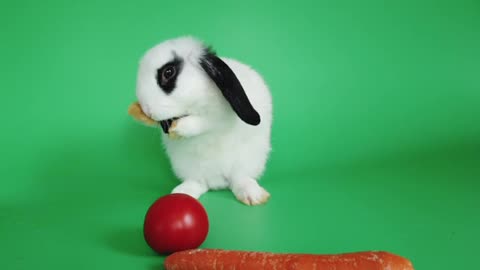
{"points": [[135, 110], [215, 259]]}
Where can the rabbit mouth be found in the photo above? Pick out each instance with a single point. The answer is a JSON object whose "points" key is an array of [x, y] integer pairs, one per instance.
{"points": [[167, 123]]}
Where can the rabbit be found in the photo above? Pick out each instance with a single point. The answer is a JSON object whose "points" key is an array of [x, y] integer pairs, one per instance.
{"points": [[216, 117]]}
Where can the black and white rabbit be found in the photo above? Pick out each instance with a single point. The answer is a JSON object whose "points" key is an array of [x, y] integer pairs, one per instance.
{"points": [[216, 114]]}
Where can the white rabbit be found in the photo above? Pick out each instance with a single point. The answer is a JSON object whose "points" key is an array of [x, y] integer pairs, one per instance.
{"points": [[216, 114]]}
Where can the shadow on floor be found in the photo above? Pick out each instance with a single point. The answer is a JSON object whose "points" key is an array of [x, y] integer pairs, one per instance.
{"points": [[129, 241]]}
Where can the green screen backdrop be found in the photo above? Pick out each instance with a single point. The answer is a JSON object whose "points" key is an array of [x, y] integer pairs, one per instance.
{"points": [[376, 135]]}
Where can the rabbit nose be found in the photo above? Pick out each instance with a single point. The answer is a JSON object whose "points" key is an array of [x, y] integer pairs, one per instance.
{"points": [[146, 110]]}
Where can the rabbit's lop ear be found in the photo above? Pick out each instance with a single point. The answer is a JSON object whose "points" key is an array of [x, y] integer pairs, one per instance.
{"points": [[230, 86]]}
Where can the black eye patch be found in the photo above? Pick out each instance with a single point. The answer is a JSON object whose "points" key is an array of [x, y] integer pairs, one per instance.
{"points": [[168, 73]]}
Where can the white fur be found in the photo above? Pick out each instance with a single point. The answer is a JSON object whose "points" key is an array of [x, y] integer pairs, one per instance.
{"points": [[217, 150]]}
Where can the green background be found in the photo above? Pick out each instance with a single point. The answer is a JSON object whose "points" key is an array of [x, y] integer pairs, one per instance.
{"points": [[376, 135]]}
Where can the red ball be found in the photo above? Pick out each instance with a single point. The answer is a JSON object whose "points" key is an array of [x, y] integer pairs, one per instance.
{"points": [[175, 222]]}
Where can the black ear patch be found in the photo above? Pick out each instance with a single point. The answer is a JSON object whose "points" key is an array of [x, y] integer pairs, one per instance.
{"points": [[230, 86], [168, 73]]}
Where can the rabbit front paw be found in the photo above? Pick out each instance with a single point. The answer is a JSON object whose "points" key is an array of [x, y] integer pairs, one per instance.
{"points": [[187, 126]]}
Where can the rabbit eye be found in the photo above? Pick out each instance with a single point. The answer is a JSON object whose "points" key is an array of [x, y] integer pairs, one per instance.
{"points": [[169, 72], [166, 76]]}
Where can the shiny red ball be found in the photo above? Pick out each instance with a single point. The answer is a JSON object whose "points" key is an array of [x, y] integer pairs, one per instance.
{"points": [[175, 222]]}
